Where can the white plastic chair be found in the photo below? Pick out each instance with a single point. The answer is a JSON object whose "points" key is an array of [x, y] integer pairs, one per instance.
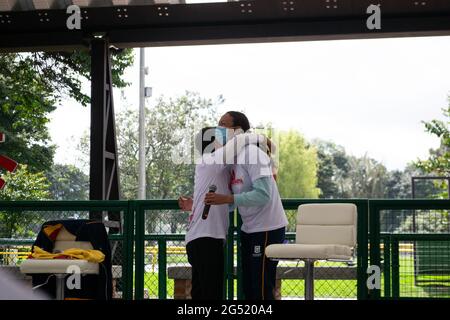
{"points": [[324, 232]]}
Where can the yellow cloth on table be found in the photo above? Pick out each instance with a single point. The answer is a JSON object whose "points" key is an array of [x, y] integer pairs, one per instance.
{"points": [[73, 253]]}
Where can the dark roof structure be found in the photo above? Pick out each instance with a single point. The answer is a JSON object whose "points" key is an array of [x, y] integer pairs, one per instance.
{"points": [[41, 24]]}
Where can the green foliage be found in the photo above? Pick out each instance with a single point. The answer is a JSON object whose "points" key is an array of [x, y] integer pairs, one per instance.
{"points": [[367, 178], [61, 73], [297, 172], [67, 182], [439, 159], [344, 176], [21, 185], [25, 103], [438, 162], [398, 185], [333, 169], [31, 86], [24, 185], [434, 221]]}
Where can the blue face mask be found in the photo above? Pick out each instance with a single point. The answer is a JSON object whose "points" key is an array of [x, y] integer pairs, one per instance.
{"points": [[221, 135]]}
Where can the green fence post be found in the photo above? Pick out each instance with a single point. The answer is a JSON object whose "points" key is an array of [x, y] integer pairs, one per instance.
{"points": [[362, 248], [387, 267], [225, 270], [240, 287], [229, 264], [127, 274], [395, 269], [374, 231], [162, 269], [140, 252]]}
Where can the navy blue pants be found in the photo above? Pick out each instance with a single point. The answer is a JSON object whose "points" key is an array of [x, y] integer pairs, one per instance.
{"points": [[259, 272]]}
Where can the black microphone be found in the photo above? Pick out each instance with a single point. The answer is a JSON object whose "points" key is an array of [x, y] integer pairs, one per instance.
{"points": [[212, 188]]}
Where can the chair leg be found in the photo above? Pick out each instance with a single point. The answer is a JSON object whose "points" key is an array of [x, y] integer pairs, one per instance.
{"points": [[60, 286], [309, 279]]}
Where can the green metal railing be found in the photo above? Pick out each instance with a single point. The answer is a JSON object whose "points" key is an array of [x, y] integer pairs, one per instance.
{"points": [[233, 235], [390, 241], [392, 255], [134, 238], [140, 207]]}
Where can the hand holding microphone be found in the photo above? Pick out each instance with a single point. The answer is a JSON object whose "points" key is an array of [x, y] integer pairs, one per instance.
{"points": [[212, 198], [212, 189]]}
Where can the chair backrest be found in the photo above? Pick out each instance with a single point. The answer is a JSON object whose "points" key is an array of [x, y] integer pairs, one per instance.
{"points": [[66, 240], [327, 223]]}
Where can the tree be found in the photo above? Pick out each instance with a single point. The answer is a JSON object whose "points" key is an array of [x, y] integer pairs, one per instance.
{"points": [[344, 176], [22, 185], [297, 172], [333, 169], [367, 178], [25, 103], [169, 124], [67, 182], [398, 185], [31, 86], [438, 162]]}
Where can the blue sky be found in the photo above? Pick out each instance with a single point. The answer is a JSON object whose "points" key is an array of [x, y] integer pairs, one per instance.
{"points": [[367, 95]]}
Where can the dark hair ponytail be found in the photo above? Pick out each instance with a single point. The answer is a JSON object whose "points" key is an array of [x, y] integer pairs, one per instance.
{"points": [[240, 120]]}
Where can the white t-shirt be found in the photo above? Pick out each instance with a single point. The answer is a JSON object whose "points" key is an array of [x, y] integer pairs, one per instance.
{"points": [[211, 171], [253, 163]]}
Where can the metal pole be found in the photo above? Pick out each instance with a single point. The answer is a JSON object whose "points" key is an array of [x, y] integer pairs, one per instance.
{"points": [[229, 262], [362, 248], [99, 49], [139, 252], [162, 269], [141, 190], [413, 186], [60, 286], [240, 286], [387, 267], [104, 165], [309, 279]]}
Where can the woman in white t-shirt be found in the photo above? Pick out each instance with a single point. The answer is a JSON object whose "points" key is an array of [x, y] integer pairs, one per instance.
{"points": [[256, 195], [205, 237]]}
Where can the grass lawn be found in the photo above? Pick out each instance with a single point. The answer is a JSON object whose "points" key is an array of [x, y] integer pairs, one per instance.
{"points": [[151, 284], [289, 288], [429, 286], [436, 286]]}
